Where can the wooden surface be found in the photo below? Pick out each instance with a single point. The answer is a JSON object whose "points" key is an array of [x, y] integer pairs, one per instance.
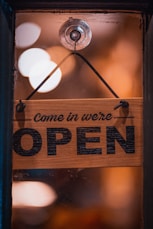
{"points": [[61, 137]]}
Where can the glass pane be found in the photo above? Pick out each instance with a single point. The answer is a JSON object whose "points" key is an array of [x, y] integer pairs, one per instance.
{"points": [[63, 198]]}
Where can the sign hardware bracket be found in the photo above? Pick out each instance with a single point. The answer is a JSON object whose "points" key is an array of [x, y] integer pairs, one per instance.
{"points": [[123, 104]]}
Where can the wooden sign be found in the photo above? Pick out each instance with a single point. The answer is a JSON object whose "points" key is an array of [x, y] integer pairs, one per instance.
{"points": [[77, 134]]}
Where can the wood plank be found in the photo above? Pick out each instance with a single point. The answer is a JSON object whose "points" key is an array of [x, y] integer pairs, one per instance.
{"points": [[78, 133]]}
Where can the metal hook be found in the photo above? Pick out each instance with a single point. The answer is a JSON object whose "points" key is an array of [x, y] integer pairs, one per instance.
{"points": [[20, 106], [123, 104]]}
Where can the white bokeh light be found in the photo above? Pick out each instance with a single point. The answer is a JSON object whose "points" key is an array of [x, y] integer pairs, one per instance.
{"points": [[32, 194], [26, 34], [40, 71], [29, 58]]}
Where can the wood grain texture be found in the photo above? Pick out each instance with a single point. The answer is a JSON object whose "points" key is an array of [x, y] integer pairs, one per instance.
{"points": [[77, 134]]}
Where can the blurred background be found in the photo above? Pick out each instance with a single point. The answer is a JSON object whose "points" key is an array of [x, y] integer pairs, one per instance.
{"points": [[98, 198]]}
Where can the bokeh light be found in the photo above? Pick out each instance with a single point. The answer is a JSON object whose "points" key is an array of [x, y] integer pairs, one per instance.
{"points": [[32, 194], [29, 58], [26, 34], [40, 71]]}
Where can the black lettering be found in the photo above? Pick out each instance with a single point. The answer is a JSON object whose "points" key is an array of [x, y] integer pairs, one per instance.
{"points": [[52, 140], [37, 142], [94, 117], [102, 116], [86, 117], [109, 116], [72, 117], [37, 117], [48, 118], [82, 140], [113, 134]]}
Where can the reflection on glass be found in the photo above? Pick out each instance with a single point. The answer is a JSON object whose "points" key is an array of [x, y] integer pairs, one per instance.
{"points": [[115, 51], [29, 58], [87, 198], [21, 38], [93, 198], [32, 194]]}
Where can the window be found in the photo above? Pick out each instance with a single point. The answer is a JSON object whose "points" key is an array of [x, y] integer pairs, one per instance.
{"points": [[92, 197]]}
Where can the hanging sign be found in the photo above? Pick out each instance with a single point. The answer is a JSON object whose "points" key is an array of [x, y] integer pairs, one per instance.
{"points": [[77, 133]]}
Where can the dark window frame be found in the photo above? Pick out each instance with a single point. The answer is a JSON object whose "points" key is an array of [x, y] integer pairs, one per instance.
{"points": [[7, 18]]}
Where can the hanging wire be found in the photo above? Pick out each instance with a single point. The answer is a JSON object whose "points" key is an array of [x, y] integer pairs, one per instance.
{"points": [[64, 59], [20, 106], [75, 36], [49, 75], [97, 73]]}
